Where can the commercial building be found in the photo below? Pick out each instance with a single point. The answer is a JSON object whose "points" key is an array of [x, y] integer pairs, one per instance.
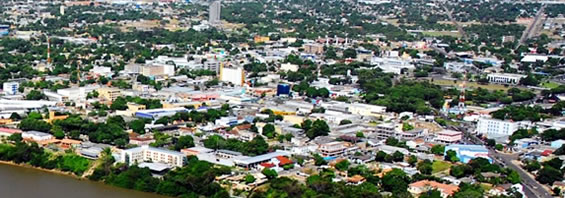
{"points": [[313, 48], [505, 78], [25, 104], [151, 154], [10, 88], [158, 113], [332, 149], [4, 30], [494, 128], [36, 136], [253, 162], [215, 11], [156, 69], [449, 136], [108, 93], [466, 153], [234, 75], [366, 109]]}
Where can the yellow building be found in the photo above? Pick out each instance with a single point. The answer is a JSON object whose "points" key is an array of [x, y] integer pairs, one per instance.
{"points": [[135, 107], [293, 119], [108, 93], [261, 39], [53, 117]]}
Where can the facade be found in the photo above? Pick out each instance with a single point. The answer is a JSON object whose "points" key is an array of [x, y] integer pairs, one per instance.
{"points": [[10, 88], [466, 153], [109, 94], [423, 186], [254, 162], [449, 136], [494, 128], [156, 69], [36, 136], [146, 153], [214, 13], [332, 149], [234, 75], [505, 78], [314, 48], [366, 109]]}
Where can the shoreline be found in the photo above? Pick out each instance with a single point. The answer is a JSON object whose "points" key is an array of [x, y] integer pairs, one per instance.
{"points": [[55, 171]]}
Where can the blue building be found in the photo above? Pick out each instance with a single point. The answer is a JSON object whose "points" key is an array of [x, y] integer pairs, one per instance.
{"points": [[283, 89], [466, 153], [154, 114], [557, 143], [4, 30]]}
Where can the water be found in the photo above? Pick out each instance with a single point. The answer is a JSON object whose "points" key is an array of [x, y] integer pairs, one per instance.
{"points": [[20, 182]]}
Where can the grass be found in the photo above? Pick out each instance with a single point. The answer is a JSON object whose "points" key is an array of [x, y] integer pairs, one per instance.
{"points": [[471, 85], [550, 85], [439, 166], [441, 33]]}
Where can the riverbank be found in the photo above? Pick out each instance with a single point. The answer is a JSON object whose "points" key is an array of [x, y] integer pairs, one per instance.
{"points": [[59, 172]]}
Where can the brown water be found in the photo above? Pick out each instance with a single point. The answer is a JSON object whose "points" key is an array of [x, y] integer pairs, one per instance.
{"points": [[20, 182]]}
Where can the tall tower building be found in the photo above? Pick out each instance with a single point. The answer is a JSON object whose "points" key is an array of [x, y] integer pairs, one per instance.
{"points": [[215, 11]]}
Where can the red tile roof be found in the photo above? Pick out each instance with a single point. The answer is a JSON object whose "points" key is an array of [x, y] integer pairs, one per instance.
{"points": [[283, 160], [9, 130], [267, 165], [546, 153]]}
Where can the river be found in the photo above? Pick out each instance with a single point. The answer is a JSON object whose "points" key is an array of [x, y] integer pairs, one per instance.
{"points": [[20, 182]]}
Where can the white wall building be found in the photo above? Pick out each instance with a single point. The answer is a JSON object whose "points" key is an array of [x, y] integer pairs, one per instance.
{"points": [[10, 88], [146, 153], [234, 75], [366, 109], [448, 136], [493, 128], [289, 67], [36, 136], [505, 78]]}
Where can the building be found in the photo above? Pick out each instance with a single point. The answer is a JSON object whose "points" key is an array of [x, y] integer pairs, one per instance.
{"points": [[10, 88], [108, 93], [215, 11], [332, 149], [234, 75], [557, 144], [254, 162], [449, 136], [4, 30], [366, 109], [36, 136], [466, 153], [8, 131], [494, 128], [505, 78], [423, 186], [156, 69], [146, 153], [289, 67], [313, 48], [154, 114]]}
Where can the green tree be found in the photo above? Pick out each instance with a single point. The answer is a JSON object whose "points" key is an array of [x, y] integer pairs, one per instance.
{"points": [[343, 165], [451, 156], [269, 131], [249, 179], [319, 128], [431, 194], [269, 173], [137, 126], [344, 122], [425, 167], [184, 142], [548, 175], [395, 181], [119, 104]]}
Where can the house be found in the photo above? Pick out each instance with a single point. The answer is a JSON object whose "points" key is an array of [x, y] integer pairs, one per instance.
{"points": [[356, 180], [449, 136], [332, 149], [422, 186]]}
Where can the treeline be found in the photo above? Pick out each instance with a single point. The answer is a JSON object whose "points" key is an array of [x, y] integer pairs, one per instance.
{"points": [[257, 146], [30, 153], [196, 179]]}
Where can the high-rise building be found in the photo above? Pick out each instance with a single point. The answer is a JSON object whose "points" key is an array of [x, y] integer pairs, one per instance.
{"points": [[215, 11]]}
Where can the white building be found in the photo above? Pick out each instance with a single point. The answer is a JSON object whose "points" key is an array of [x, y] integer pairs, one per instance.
{"points": [[392, 65], [214, 13], [36, 136], [366, 109], [494, 128], [234, 75], [289, 67], [332, 149], [448, 136], [10, 88], [146, 153], [532, 58], [101, 71], [505, 78]]}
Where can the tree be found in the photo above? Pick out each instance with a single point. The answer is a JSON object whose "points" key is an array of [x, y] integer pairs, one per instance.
{"points": [[119, 104], [269, 131], [425, 167], [15, 116], [459, 171], [451, 156], [491, 142], [344, 122], [407, 126], [343, 165], [532, 165], [137, 126], [249, 179], [513, 177], [319, 160], [319, 128], [438, 149], [16, 137], [184, 142], [395, 181], [269, 173], [548, 175], [350, 53], [431, 194], [499, 147], [397, 156], [35, 95], [412, 160], [359, 134]]}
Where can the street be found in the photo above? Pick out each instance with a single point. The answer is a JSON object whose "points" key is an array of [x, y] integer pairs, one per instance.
{"points": [[532, 188]]}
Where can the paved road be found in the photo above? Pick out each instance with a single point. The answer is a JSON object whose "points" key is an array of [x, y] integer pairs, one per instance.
{"points": [[528, 32], [532, 188]]}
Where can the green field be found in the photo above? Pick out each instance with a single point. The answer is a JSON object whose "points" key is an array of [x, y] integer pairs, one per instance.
{"points": [[550, 85], [470, 85], [439, 166], [441, 33]]}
